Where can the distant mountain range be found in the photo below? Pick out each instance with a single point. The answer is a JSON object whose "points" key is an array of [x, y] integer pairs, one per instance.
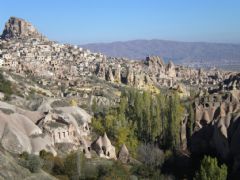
{"points": [[223, 55]]}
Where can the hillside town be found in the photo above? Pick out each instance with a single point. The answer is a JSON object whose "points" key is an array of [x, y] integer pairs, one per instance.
{"points": [[26, 52], [60, 92]]}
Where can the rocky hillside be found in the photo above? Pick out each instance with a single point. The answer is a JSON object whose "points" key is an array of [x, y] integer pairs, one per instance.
{"points": [[68, 105], [19, 28]]}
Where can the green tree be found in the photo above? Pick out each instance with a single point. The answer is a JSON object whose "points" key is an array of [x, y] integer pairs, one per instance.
{"points": [[73, 164], [190, 120], [174, 113], [98, 125], [94, 106], [33, 163], [5, 86], [211, 170], [147, 121], [138, 112]]}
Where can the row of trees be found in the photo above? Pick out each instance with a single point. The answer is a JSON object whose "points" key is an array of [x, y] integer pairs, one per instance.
{"points": [[147, 122], [142, 117]]}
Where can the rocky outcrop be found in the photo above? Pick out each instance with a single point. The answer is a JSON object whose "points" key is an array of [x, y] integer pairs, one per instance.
{"points": [[101, 71], [155, 63], [19, 28], [18, 133], [110, 75], [217, 123], [170, 70], [123, 154], [231, 83], [117, 74], [104, 148], [130, 75], [32, 131]]}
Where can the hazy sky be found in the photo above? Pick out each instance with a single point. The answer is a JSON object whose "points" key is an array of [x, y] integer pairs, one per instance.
{"points": [[85, 21]]}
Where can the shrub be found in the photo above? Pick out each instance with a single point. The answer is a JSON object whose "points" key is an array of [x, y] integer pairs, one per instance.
{"points": [[47, 159], [116, 171], [58, 166], [73, 165], [211, 170], [31, 162], [5, 87], [34, 163], [24, 155], [150, 155]]}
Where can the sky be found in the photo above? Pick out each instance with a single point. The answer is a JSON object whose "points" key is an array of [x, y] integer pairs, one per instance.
{"points": [[91, 21]]}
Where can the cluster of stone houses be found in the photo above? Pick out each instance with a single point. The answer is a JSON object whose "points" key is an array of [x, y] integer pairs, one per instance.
{"points": [[46, 58], [51, 60]]}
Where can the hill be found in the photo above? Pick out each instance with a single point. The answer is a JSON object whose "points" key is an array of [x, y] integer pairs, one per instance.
{"points": [[195, 54]]}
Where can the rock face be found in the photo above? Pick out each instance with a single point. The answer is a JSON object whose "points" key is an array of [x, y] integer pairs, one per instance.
{"points": [[217, 123], [19, 28], [18, 133], [32, 131]]}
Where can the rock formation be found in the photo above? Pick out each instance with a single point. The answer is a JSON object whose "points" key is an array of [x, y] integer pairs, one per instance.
{"points": [[130, 76], [64, 71], [104, 148], [117, 74], [23, 130], [217, 125], [123, 154], [170, 70], [19, 28], [101, 71], [110, 75], [154, 63]]}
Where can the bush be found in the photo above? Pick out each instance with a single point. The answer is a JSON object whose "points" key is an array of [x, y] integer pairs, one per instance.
{"points": [[150, 155], [34, 163], [5, 86], [24, 155], [73, 164], [45, 155], [58, 166], [145, 171], [31, 162], [116, 171], [48, 160], [51, 164], [211, 170]]}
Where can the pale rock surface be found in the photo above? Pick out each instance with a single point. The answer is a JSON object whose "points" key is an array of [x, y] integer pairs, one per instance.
{"points": [[123, 154], [104, 148]]}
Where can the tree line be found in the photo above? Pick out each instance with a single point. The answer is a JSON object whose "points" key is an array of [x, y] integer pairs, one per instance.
{"points": [[142, 117]]}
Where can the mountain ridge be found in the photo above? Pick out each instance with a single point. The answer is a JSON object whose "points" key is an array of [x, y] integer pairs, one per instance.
{"points": [[178, 51]]}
